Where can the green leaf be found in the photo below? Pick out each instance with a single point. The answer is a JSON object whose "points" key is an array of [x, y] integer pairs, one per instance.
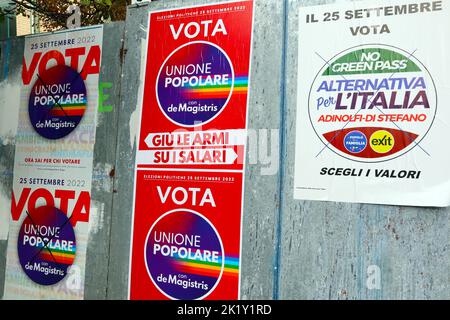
{"points": [[105, 2]]}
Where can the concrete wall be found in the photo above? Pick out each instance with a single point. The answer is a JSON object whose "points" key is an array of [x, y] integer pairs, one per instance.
{"points": [[291, 249]]}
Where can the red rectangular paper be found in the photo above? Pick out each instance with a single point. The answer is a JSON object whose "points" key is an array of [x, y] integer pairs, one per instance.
{"points": [[188, 202]]}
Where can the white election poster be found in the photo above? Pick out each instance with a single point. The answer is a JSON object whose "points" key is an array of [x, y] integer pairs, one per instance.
{"points": [[373, 113], [53, 165]]}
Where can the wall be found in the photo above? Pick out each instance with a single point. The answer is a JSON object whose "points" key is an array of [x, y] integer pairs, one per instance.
{"points": [[261, 193], [291, 249], [327, 248], [23, 25]]}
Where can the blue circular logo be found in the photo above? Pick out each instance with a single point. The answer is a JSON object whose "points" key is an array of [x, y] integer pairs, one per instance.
{"points": [[184, 255], [195, 84], [355, 142], [46, 245], [57, 102]]}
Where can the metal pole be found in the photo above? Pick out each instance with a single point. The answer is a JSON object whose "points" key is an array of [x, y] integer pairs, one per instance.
{"points": [[7, 28]]}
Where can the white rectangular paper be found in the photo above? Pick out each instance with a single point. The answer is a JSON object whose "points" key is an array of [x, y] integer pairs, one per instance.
{"points": [[55, 172], [373, 93]]}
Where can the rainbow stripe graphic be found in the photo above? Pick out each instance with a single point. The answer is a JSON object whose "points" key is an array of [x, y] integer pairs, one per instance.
{"points": [[208, 269], [70, 110], [218, 91], [58, 256]]}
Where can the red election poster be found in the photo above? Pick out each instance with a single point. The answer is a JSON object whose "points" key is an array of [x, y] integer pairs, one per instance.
{"points": [[189, 172]]}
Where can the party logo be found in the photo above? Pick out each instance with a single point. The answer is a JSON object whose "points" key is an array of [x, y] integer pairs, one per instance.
{"points": [[372, 95], [46, 245], [184, 255], [382, 141], [355, 142], [57, 103], [195, 84]]}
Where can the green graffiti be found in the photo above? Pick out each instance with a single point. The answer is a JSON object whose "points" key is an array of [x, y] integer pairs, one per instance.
{"points": [[103, 97]]}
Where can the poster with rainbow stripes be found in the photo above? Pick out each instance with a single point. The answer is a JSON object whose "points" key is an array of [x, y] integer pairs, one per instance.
{"points": [[51, 200], [190, 162]]}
